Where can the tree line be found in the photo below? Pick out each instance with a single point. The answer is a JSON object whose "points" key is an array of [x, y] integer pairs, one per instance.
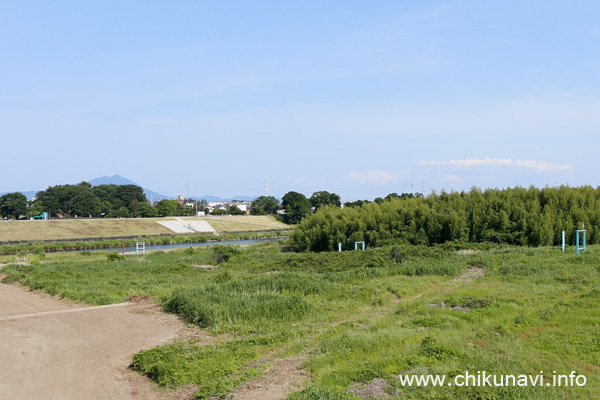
{"points": [[85, 200], [517, 216], [124, 201], [295, 206]]}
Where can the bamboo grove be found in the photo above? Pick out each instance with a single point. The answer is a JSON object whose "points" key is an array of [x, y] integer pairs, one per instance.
{"points": [[515, 216]]}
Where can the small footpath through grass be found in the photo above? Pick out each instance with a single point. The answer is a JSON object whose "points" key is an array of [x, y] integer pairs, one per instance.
{"points": [[360, 319]]}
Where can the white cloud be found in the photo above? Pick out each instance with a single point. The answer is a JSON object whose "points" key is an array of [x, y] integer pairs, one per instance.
{"points": [[376, 177], [451, 178], [542, 166]]}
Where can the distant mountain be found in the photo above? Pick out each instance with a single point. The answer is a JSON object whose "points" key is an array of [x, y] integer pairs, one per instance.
{"points": [[111, 180], [209, 199], [150, 195], [244, 198], [29, 194], [119, 180]]}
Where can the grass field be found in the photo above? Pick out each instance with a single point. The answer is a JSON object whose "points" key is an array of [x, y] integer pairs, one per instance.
{"points": [[57, 229], [357, 319]]}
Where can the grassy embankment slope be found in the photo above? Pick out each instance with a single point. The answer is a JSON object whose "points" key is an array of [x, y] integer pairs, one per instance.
{"points": [[354, 317], [242, 223], [75, 229]]}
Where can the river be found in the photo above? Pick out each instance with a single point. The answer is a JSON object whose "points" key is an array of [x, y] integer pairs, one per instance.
{"points": [[184, 245]]}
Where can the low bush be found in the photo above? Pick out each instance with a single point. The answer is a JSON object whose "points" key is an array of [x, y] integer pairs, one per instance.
{"points": [[115, 256]]}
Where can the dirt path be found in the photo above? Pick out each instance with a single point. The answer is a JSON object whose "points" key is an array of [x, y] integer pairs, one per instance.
{"points": [[284, 376], [55, 350]]}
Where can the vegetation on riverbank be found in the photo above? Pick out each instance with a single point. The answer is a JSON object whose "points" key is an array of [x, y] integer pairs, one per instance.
{"points": [[43, 247], [357, 316]]}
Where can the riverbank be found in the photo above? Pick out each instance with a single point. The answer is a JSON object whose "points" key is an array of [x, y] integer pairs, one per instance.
{"points": [[65, 245], [86, 229]]}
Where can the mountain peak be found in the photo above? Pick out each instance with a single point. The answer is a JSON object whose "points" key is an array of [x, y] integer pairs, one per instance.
{"points": [[114, 180]]}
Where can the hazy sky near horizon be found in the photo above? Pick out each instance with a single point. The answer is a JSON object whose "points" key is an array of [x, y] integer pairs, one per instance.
{"points": [[361, 99]]}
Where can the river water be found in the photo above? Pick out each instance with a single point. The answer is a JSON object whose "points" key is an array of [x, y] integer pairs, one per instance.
{"points": [[184, 245]]}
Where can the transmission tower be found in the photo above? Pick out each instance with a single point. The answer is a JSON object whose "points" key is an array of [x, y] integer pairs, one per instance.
{"points": [[423, 188], [265, 192]]}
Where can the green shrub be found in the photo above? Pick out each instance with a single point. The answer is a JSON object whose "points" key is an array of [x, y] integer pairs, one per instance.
{"points": [[115, 256], [432, 349], [39, 251], [224, 253]]}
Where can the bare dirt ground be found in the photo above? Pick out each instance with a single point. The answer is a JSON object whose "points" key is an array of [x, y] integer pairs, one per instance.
{"points": [[283, 376], [52, 349]]}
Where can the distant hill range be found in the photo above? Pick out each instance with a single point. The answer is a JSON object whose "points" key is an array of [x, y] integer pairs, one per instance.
{"points": [[119, 180]]}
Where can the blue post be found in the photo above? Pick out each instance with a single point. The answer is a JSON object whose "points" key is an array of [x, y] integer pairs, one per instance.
{"points": [[577, 241], [563, 241], [356, 245], [340, 247]]}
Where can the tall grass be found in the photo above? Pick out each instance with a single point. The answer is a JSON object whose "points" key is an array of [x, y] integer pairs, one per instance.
{"points": [[217, 306], [223, 365]]}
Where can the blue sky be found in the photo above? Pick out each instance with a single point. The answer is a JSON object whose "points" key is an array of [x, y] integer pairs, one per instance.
{"points": [[361, 99]]}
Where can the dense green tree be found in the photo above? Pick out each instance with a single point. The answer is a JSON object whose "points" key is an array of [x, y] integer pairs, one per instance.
{"points": [[167, 208], [516, 216], [357, 203], [85, 200], [70, 200], [35, 207], [13, 205], [264, 205], [324, 198], [113, 197], [232, 209], [296, 207], [145, 210], [130, 194], [120, 213]]}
